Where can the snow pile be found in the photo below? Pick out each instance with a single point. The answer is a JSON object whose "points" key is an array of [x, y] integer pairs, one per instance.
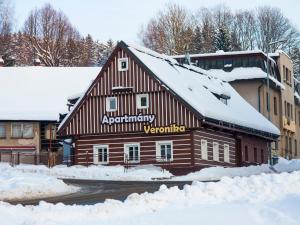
{"points": [[264, 199], [99, 172], [18, 185], [285, 165], [216, 173]]}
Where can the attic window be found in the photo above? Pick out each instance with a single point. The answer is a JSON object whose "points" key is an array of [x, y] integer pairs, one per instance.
{"points": [[123, 64], [223, 98], [121, 89]]}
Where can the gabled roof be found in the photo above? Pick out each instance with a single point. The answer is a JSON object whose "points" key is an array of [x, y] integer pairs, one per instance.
{"points": [[40, 93], [199, 90]]}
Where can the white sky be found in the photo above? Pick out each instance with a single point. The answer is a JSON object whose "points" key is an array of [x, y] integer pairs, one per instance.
{"points": [[122, 19]]}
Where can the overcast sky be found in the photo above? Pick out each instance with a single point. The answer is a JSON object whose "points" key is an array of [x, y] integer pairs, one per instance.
{"points": [[122, 19]]}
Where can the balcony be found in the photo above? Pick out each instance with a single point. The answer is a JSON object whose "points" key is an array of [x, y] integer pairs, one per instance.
{"points": [[289, 124]]}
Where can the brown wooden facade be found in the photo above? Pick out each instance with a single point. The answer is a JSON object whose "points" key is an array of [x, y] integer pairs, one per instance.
{"points": [[84, 124]]}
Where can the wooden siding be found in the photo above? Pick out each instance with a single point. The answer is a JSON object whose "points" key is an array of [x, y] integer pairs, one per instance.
{"points": [[253, 143], [214, 136], [181, 148], [168, 110]]}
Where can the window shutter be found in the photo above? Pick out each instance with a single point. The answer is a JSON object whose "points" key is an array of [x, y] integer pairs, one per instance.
{"points": [[226, 153], [204, 149]]}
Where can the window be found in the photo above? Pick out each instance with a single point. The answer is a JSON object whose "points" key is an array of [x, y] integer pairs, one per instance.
{"points": [[2, 130], [50, 131], [100, 154], [215, 151], [284, 75], [299, 118], [295, 146], [204, 149], [275, 105], [255, 154], [142, 101], [164, 150], [132, 152], [262, 157], [267, 100], [22, 130], [111, 104], [246, 153], [123, 64], [226, 153]]}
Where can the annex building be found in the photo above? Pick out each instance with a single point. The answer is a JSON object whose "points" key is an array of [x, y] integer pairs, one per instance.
{"points": [[247, 71], [147, 108], [31, 100]]}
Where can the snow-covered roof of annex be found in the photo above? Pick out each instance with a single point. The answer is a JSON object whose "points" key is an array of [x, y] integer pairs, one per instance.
{"points": [[222, 53], [40, 93], [199, 88], [244, 73]]}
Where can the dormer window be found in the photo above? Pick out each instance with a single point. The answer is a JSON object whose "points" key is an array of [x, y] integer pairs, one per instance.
{"points": [[123, 64]]}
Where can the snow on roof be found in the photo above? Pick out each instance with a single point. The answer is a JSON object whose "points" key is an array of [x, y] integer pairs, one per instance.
{"points": [[243, 73], [222, 53], [197, 90], [40, 93]]}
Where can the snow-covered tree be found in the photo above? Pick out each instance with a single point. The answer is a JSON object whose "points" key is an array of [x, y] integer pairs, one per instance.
{"points": [[223, 39]]}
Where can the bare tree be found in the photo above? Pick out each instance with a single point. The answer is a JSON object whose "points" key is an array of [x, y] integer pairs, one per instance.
{"points": [[170, 31], [6, 22], [47, 32], [272, 26]]}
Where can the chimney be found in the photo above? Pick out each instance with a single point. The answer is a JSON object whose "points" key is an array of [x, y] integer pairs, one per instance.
{"points": [[1, 62], [36, 62], [187, 58]]}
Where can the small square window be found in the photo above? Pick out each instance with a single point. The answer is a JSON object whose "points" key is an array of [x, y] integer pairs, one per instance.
{"points": [[16, 130], [123, 64], [132, 153], [142, 101], [111, 104], [100, 154]]}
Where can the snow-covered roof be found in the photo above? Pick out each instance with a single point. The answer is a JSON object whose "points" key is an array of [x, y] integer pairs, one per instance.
{"points": [[196, 87], [40, 93], [243, 73], [222, 53]]}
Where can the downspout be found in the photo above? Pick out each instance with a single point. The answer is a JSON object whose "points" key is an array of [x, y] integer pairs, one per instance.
{"points": [[258, 91]]}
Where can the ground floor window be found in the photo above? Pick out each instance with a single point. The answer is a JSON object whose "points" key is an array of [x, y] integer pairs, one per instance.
{"points": [[226, 153], [100, 154], [204, 149], [164, 150], [215, 151], [132, 153], [2, 130]]}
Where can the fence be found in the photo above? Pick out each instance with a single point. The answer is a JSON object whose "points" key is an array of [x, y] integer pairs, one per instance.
{"points": [[43, 158]]}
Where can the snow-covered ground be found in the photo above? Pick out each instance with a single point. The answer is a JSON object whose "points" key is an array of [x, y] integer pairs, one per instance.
{"points": [[143, 173], [19, 185], [259, 199], [30, 181]]}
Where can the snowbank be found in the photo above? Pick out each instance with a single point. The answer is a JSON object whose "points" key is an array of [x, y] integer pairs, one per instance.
{"points": [[262, 199], [285, 165], [19, 185], [99, 172]]}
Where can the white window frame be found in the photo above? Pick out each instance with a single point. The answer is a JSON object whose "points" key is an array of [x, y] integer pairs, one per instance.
{"points": [[4, 127], [138, 101], [96, 154], [126, 152], [216, 150], [158, 152], [226, 153], [204, 153], [108, 99], [120, 61]]}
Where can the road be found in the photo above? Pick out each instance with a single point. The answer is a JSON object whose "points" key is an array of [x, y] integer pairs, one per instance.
{"points": [[93, 191]]}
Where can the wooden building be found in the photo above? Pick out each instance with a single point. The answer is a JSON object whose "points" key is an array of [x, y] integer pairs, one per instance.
{"points": [[146, 108]]}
